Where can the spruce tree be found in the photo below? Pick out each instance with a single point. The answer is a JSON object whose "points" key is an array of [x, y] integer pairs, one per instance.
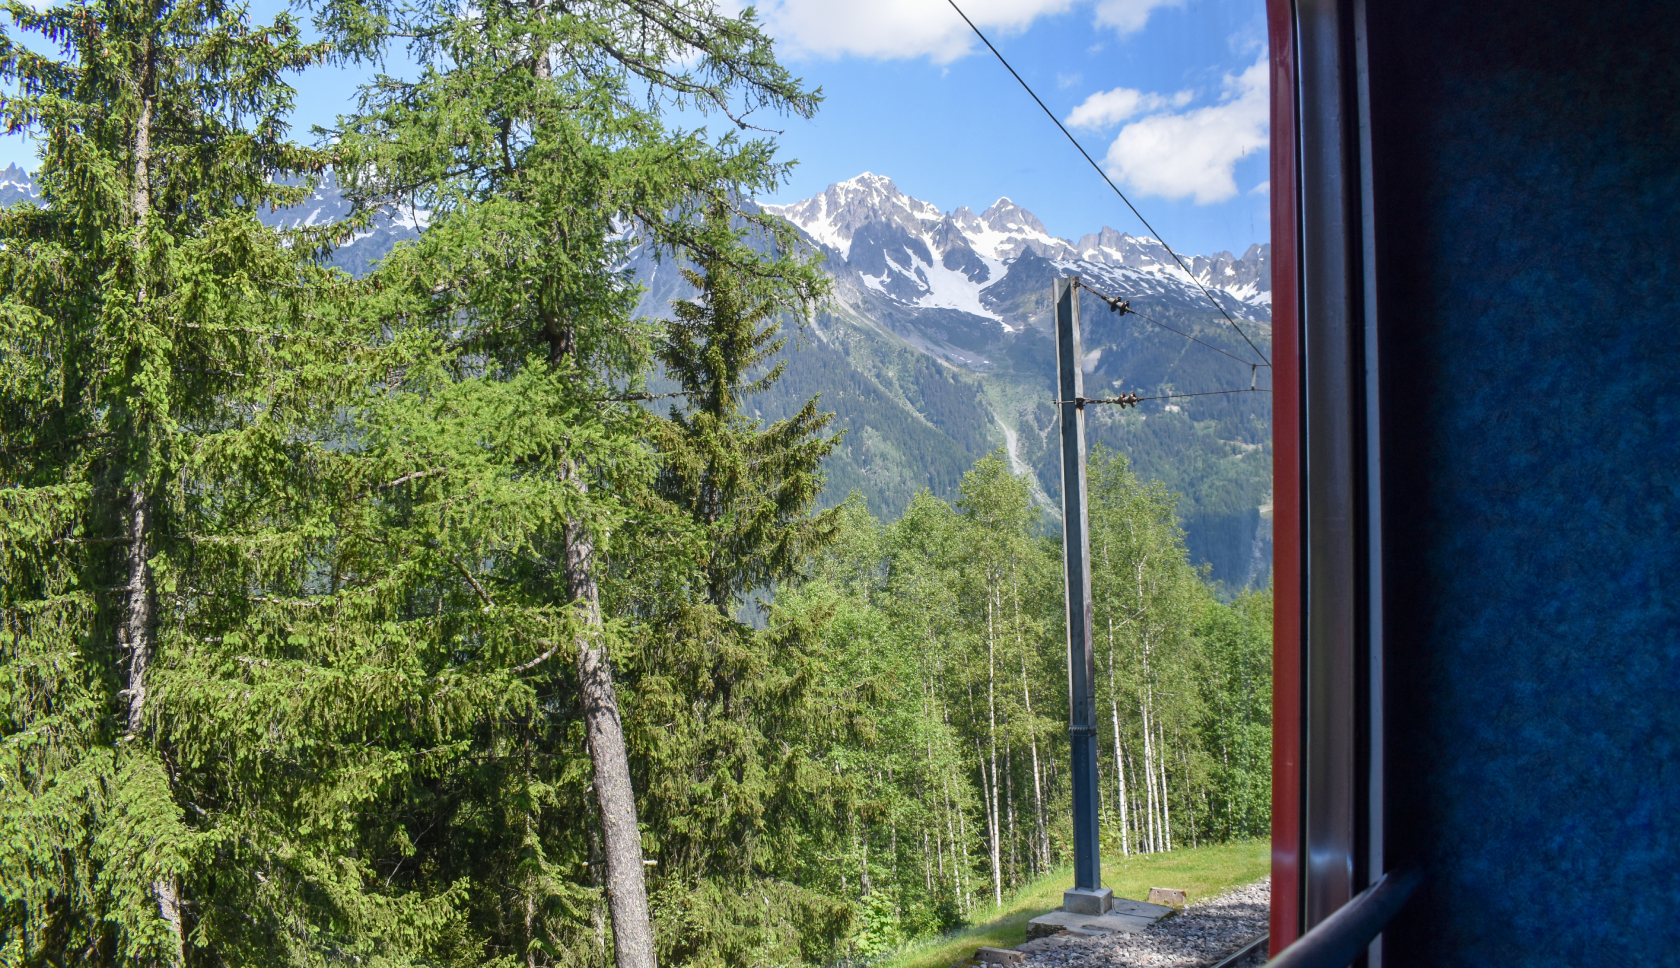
{"points": [[735, 799], [533, 135], [151, 330], [747, 487]]}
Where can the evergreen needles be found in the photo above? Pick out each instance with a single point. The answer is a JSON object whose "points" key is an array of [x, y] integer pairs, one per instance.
{"points": [[377, 620]]}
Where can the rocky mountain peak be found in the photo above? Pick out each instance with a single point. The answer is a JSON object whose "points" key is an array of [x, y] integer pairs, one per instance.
{"points": [[1006, 216], [17, 185], [909, 251], [835, 216]]}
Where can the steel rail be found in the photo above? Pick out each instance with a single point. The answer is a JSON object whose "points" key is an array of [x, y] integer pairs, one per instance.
{"points": [[1241, 953]]}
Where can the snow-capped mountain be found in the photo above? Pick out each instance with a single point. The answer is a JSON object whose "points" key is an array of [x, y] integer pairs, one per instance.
{"points": [[326, 205], [913, 253], [935, 350], [17, 186]]}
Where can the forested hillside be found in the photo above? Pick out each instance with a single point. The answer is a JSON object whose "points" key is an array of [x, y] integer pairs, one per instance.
{"points": [[917, 290], [947, 627], [924, 390], [397, 617]]}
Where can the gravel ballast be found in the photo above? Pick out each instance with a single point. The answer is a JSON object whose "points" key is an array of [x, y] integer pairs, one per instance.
{"points": [[1200, 935]]}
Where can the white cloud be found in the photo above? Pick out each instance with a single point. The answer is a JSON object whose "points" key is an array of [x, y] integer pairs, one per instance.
{"points": [[895, 28], [1264, 188], [1111, 107], [1195, 153], [1129, 16]]}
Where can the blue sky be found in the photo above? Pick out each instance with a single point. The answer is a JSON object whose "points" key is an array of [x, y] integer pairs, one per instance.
{"points": [[912, 96], [1168, 94]]}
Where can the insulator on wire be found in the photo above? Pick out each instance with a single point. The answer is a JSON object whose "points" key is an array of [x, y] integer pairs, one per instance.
{"points": [[1127, 400], [1115, 303]]}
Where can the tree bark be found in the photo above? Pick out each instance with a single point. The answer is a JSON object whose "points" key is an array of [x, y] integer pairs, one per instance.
{"points": [[1119, 766], [597, 879], [1149, 774], [991, 734], [1041, 837], [136, 634], [1009, 798], [136, 630], [614, 795], [1137, 807], [1166, 808]]}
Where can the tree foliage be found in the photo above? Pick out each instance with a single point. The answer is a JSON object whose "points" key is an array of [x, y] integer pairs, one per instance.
{"points": [[381, 620], [952, 619]]}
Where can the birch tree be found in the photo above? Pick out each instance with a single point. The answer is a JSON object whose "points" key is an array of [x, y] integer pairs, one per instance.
{"points": [[1146, 597]]}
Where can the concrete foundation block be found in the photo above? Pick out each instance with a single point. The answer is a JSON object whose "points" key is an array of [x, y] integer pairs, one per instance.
{"points": [[1054, 921], [1082, 900], [1140, 909]]}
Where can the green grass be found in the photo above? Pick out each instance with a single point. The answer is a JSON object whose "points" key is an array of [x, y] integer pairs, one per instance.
{"points": [[1202, 872]]}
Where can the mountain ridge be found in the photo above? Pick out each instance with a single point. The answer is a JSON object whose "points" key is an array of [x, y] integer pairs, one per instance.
{"points": [[935, 349], [972, 292]]}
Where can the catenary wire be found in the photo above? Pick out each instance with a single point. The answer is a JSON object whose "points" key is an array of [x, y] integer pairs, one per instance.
{"points": [[1131, 400], [1124, 308], [1057, 121]]}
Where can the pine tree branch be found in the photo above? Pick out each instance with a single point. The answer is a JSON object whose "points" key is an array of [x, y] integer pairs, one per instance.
{"points": [[488, 601], [84, 438], [553, 648], [417, 475]]}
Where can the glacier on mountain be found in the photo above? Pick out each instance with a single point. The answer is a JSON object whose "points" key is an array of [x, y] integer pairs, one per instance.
{"points": [[909, 251]]}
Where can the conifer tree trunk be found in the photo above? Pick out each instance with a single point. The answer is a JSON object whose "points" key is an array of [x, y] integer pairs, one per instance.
{"points": [[138, 627], [597, 879], [615, 797], [136, 631]]}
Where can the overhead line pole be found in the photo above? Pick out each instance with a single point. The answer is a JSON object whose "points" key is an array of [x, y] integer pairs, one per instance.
{"points": [[1088, 896]]}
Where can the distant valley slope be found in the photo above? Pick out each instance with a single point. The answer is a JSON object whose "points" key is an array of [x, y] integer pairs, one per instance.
{"points": [[935, 351]]}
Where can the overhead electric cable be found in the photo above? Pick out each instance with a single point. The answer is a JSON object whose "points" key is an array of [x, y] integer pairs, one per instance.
{"points": [[1132, 400], [1075, 141], [1124, 308]]}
